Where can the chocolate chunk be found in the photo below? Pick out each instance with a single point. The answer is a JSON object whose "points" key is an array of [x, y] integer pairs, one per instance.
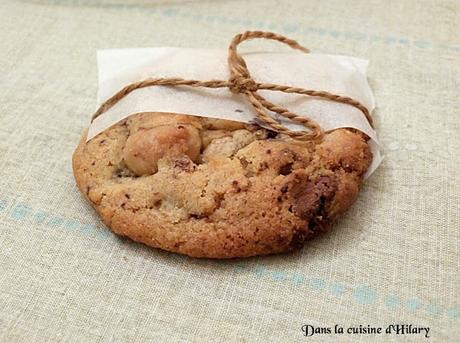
{"points": [[310, 197], [184, 163], [286, 169], [263, 166], [272, 134], [298, 238]]}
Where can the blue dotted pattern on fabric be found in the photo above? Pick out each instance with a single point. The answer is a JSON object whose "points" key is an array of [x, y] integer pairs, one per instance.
{"points": [[24, 212], [362, 294], [286, 28]]}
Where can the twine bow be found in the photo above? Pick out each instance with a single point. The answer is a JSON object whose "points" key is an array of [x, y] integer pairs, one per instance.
{"points": [[241, 82]]}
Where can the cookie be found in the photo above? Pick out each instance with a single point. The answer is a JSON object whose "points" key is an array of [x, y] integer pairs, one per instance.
{"points": [[216, 188]]}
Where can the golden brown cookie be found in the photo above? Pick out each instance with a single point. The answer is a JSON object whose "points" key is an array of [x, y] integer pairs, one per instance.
{"points": [[215, 188]]}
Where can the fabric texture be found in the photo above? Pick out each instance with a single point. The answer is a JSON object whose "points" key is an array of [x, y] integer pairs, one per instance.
{"points": [[393, 259]]}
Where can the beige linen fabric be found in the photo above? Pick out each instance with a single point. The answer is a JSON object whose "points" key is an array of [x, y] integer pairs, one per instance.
{"points": [[393, 259]]}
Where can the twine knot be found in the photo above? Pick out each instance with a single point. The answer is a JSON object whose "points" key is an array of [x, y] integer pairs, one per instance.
{"points": [[241, 82]]}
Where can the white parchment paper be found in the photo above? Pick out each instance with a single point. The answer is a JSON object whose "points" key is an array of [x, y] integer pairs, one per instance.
{"points": [[337, 74]]}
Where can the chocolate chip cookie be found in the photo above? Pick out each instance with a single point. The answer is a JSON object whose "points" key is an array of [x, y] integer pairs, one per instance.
{"points": [[216, 188]]}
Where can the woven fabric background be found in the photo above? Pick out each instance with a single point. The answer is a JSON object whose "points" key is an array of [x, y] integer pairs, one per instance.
{"points": [[393, 259]]}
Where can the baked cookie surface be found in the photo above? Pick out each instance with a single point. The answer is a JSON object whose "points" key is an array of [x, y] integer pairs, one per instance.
{"points": [[215, 188]]}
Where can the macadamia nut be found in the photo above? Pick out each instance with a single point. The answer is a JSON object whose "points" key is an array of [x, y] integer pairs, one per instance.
{"points": [[145, 147]]}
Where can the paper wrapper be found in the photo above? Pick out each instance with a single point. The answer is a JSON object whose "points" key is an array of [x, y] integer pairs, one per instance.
{"points": [[340, 75]]}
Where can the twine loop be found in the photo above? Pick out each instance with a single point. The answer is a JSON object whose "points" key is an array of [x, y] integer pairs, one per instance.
{"points": [[241, 82]]}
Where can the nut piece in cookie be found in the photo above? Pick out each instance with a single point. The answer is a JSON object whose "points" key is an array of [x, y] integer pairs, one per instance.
{"points": [[144, 148], [153, 137]]}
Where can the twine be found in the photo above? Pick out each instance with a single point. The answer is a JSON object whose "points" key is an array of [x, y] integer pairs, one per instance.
{"points": [[241, 82]]}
